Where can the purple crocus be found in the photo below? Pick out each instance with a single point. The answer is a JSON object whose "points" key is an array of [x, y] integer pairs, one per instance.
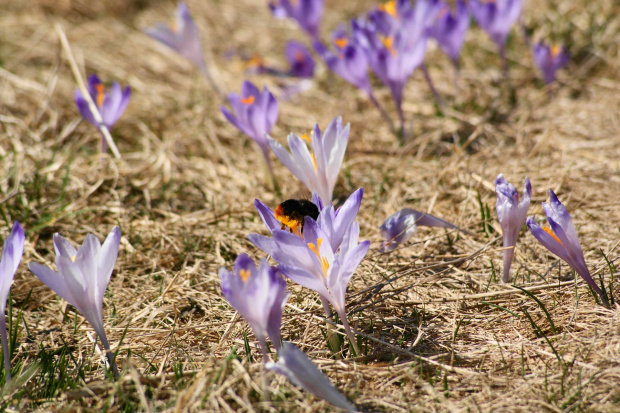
{"points": [[182, 36], [307, 13], [300, 60], [259, 295], [110, 103], [450, 29], [254, 113], [301, 371], [401, 226], [319, 169], [83, 276], [550, 59], [496, 17], [314, 263], [561, 239], [11, 257], [511, 214], [349, 61]]}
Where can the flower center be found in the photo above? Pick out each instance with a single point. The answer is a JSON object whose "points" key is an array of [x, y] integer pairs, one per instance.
{"points": [[548, 231], [341, 42], [249, 100], [306, 138], [389, 8], [244, 274], [316, 249], [555, 50], [388, 43], [100, 94]]}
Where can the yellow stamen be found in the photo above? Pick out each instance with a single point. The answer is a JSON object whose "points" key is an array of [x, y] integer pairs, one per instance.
{"points": [[248, 101], [72, 258], [555, 50], [255, 61], [548, 231], [100, 94], [389, 8], [244, 274], [388, 43], [341, 42], [316, 249], [299, 57], [306, 138], [293, 224]]}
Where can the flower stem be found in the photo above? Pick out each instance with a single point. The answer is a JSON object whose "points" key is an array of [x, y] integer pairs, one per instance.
{"points": [[5, 348], [108, 353], [431, 85], [381, 109], [350, 334]]}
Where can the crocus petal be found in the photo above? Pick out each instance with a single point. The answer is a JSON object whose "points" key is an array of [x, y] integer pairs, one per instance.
{"points": [[11, 256], [298, 368], [53, 280], [106, 260], [267, 215]]}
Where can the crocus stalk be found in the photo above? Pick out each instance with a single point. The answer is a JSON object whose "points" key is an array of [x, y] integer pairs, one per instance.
{"points": [[319, 169], [401, 226], [550, 59], [496, 17], [110, 103], [312, 261], [254, 113], [11, 257], [307, 13], [511, 214], [184, 38], [301, 371], [82, 278], [561, 239], [259, 295]]}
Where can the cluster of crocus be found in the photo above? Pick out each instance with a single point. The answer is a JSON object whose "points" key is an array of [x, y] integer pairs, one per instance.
{"points": [[561, 239], [307, 13], [401, 226], [110, 104], [184, 38], [259, 295], [300, 61], [254, 113], [550, 59], [11, 257], [324, 257], [318, 169], [511, 213], [82, 277]]}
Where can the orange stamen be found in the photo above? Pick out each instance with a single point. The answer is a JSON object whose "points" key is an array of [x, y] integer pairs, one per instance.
{"points": [[316, 249], [248, 101], [548, 231], [292, 224], [341, 42], [389, 8], [388, 43], [100, 94], [255, 61], [244, 274], [555, 50]]}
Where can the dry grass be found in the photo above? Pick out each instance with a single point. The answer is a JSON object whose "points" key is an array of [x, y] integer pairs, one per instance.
{"points": [[439, 332]]}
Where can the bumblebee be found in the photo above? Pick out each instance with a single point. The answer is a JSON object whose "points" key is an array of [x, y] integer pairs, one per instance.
{"points": [[292, 212]]}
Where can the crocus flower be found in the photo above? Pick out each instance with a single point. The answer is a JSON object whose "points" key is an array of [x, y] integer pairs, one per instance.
{"points": [[401, 226], [83, 277], [349, 61], [300, 60], [11, 256], [301, 371], [550, 59], [307, 13], [182, 36], [110, 104], [511, 214], [561, 239], [496, 17], [319, 169], [450, 29], [312, 262], [255, 113], [259, 295]]}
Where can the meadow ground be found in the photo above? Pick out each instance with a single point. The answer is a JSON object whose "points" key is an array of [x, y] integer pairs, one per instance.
{"points": [[438, 331]]}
